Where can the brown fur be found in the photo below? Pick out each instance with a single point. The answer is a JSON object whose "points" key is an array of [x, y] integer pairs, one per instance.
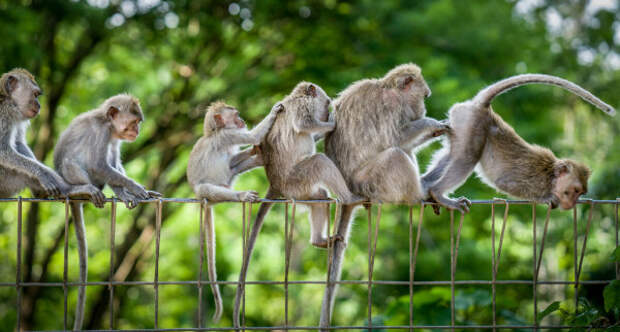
{"points": [[295, 170], [504, 160], [378, 123]]}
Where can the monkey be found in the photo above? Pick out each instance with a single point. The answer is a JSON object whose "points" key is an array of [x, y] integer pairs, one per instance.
{"points": [[19, 168], [214, 163], [88, 153], [379, 122], [295, 170], [480, 139]]}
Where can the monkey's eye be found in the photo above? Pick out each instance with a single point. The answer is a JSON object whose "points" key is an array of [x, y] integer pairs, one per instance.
{"points": [[566, 192]]}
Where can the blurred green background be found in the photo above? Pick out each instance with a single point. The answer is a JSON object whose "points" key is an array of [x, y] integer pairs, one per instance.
{"points": [[178, 56]]}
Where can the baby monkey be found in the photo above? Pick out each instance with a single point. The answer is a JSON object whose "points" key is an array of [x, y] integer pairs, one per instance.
{"points": [[88, 155], [214, 163], [506, 162]]}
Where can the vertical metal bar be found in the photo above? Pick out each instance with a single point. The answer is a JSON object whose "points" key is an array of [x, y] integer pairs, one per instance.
{"points": [[201, 235], [452, 269], [534, 276], [415, 255], [617, 265], [156, 281], [369, 213], [244, 242], [65, 271], [494, 266], [410, 268], [372, 263], [18, 273], [112, 249], [330, 247], [575, 256], [542, 241], [286, 262], [585, 240]]}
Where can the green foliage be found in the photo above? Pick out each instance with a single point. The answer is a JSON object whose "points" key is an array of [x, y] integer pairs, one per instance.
{"points": [[178, 56]]}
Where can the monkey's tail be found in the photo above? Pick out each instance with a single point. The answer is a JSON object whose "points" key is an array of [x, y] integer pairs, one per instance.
{"points": [[485, 96], [211, 266], [80, 235], [335, 267], [258, 224]]}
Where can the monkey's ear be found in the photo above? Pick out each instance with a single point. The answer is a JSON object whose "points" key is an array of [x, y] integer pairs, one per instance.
{"points": [[219, 121], [311, 90], [560, 169], [11, 84], [405, 82], [112, 112]]}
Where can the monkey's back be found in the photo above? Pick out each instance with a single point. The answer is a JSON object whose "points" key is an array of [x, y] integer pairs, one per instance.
{"points": [[208, 165], [283, 149], [365, 126]]}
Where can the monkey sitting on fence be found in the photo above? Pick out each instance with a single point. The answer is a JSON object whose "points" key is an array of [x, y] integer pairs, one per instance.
{"points": [[88, 153], [294, 169], [19, 168], [214, 163], [479, 137]]}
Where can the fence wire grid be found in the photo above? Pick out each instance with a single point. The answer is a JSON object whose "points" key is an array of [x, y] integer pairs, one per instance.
{"points": [[579, 249]]}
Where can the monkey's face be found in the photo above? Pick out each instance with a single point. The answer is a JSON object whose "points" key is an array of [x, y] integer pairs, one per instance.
{"points": [[568, 187], [414, 90], [126, 126], [229, 118], [26, 94]]}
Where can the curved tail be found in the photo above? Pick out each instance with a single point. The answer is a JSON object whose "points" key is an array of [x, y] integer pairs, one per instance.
{"points": [[485, 96], [80, 235], [211, 267], [258, 224]]}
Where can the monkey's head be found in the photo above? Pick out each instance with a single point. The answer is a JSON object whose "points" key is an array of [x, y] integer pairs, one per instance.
{"points": [[408, 82], [222, 116], [124, 113], [313, 98], [570, 182], [20, 87]]}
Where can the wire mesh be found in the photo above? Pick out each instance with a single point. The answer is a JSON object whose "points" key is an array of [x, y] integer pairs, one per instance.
{"points": [[373, 235]]}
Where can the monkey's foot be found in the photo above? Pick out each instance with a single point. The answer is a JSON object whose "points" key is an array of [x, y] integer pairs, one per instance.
{"points": [[460, 204], [323, 243]]}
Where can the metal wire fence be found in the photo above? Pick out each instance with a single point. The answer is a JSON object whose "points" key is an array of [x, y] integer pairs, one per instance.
{"points": [[414, 245]]}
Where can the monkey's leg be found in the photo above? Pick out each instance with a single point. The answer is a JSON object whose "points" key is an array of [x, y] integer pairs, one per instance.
{"points": [[258, 224], [247, 164], [319, 169], [80, 234], [216, 193], [392, 176], [319, 215], [335, 267], [456, 172]]}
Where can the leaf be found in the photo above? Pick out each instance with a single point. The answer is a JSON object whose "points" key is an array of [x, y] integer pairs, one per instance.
{"points": [[611, 295], [616, 255], [553, 307]]}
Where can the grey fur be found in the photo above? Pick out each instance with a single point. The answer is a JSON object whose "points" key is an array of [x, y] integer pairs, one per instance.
{"points": [[87, 156], [505, 161], [378, 123], [214, 163], [295, 170]]}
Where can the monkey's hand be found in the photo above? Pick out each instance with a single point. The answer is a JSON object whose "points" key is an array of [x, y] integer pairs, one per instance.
{"points": [[95, 195], [138, 191], [277, 108], [461, 204], [153, 194], [248, 196], [52, 185], [129, 199], [442, 128]]}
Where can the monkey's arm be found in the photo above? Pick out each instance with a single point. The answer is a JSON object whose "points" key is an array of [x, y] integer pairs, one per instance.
{"points": [[23, 163], [248, 164], [418, 132], [242, 156], [21, 146], [309, 125], [260, 131]]}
